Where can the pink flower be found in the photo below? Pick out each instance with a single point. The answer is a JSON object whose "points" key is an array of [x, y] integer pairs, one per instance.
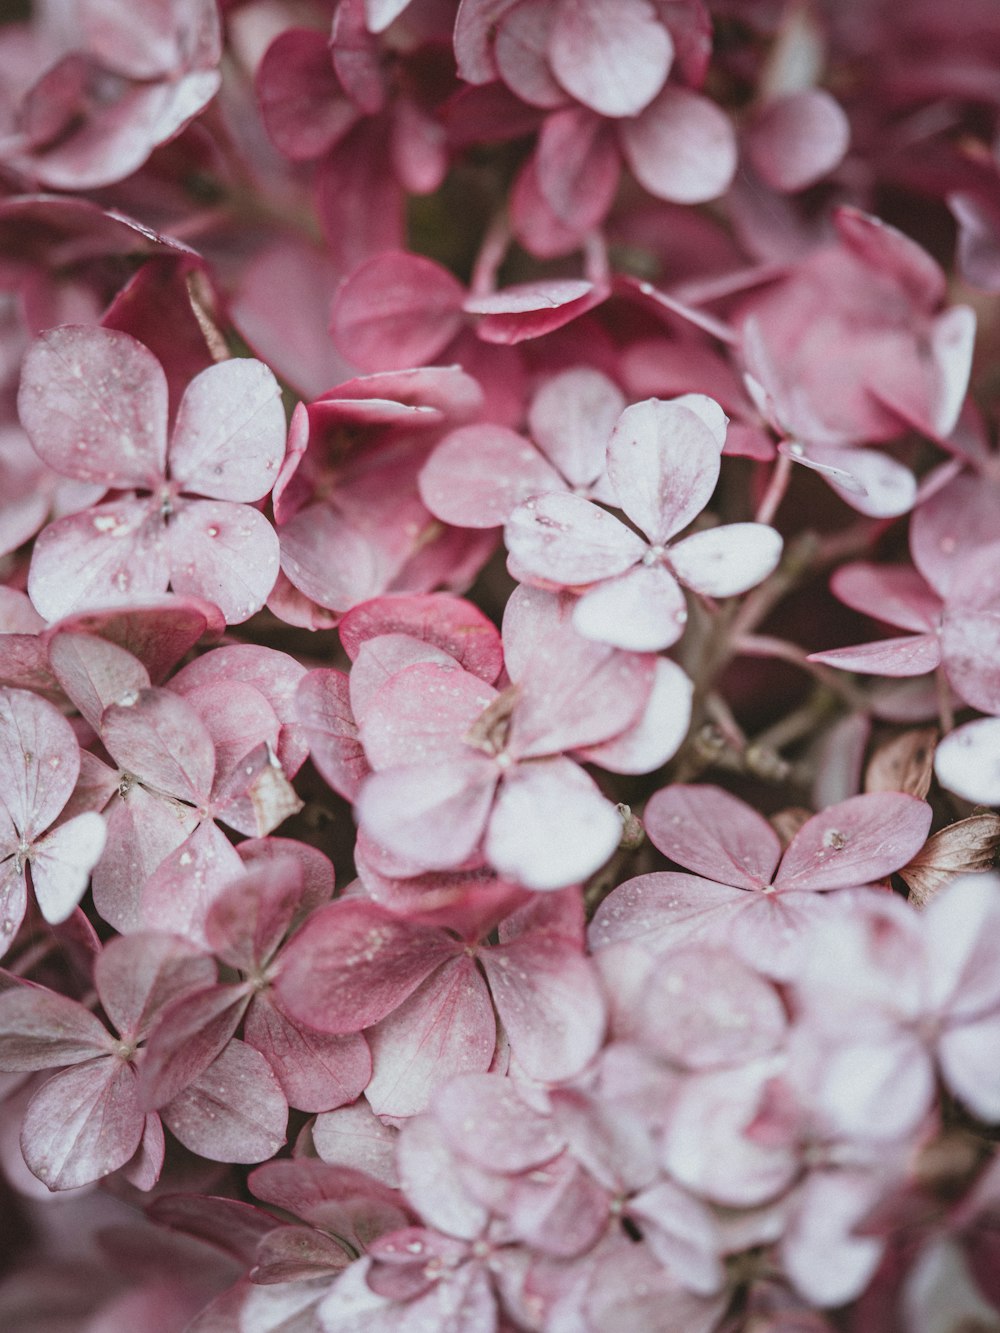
{"points": [[94, 403], [663, 465]]}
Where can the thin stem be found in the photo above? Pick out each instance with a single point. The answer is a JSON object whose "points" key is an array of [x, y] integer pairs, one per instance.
{"points": [[765, 645], [776, 489], [491, 255]]}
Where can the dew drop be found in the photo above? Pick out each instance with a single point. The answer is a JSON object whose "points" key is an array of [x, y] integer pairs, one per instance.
{"points": [[213, 531]]}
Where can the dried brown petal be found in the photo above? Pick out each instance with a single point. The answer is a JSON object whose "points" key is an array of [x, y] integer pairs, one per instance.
{"points": [[969, 845], [905, 763]]}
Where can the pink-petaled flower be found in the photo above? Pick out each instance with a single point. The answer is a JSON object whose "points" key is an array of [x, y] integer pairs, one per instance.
{"points": [[953, 619], [39, 766], [746, 893], [117, 79], [663, 465], [429, 997], [477, 474], [351, 522], [459, 766], [924, 994], [852, 347], [89, 1119], [245, 927], [94, 404]]}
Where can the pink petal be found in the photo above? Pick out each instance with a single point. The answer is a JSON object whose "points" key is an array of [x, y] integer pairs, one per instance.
{"points": [[433, 1179], [951, 525], [95, 673], [317, 869], [570, 691], [352, 963], [227, 553], [855, 842], [708, 831], [94, 403], [682, 1233], [909, 655], [721, 1011], [82, 1124], [798, 139], [531, 309], [39, 761], [826, 1257], [251, 916], [451, 623], [886, 249], [642, 610], [446, 1028], [877, 485], [895, 594], [186, 1038], [566, 539], [551, 826], [159, 632], [396, 310], [967, 761], [549, 1002], [577, 167], [111, 555], [161, 739], [970, 644], [328, 724], [330, 560], [384, 657], [301, 101], [681, 148], [968, 1055], [521, 53], [229, 437], [612, 55], [40, 1029], [234, 1112], [422, 714], [354, 1136], [571, 418], [316, 1070], [478, 474], [181, 890], [422, 396], [143, 829], [137, 976], [721, 562], [475, 28], [659, 732], [61, 863], [431, 816], [275, 674], [519, 1137], [706, 1146], [663, 463]]}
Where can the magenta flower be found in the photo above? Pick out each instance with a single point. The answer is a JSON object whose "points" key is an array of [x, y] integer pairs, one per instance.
{"points": [[663, 465], [94, 404]]}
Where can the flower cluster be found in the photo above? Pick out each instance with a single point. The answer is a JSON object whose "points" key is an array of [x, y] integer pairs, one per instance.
{"points": [[499, 666]]}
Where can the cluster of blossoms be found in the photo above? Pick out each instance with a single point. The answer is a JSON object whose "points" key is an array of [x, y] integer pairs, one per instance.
{"points": [[506, 843]]}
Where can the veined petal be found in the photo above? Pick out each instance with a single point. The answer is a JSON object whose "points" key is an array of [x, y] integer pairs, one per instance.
{"points": [[663, 463], [565, 539], [642, 610]]}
